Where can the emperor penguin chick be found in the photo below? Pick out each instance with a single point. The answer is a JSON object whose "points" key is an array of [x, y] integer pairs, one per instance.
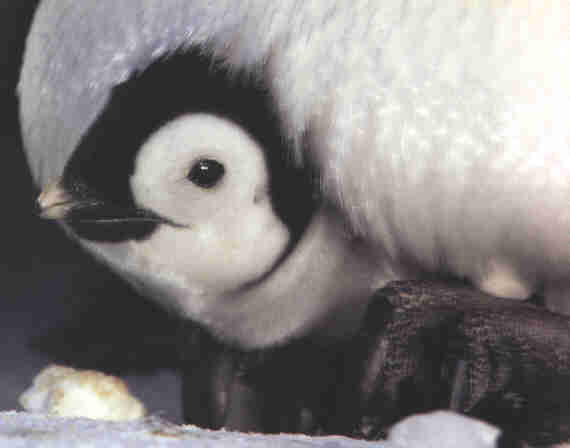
{"points": [[202, 236]]}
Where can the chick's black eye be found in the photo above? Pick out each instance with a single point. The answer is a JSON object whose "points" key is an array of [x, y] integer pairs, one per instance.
{"points": [[206, 173]]}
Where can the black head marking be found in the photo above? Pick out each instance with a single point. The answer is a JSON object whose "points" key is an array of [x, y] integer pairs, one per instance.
{"points": [[99, 170]]}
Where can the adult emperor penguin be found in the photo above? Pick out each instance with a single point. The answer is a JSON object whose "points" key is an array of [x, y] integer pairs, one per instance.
{"points": [[437, 129]]}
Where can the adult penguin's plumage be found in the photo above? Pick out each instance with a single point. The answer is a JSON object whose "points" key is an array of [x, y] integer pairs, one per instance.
{"points": [[438, 129]]}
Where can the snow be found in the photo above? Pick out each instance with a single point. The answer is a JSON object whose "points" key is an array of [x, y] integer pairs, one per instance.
{"points": [[443, 429], [20, 429], [26, 429]]}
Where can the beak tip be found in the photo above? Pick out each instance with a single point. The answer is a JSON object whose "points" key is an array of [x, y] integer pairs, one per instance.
{"points": [[53, 202]]}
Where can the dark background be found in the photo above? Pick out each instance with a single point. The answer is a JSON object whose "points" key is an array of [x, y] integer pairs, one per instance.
{"points": [[56, 304]]}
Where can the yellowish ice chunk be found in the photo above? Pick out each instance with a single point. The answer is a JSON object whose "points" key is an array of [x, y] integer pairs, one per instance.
{"points": [[67, 392]]}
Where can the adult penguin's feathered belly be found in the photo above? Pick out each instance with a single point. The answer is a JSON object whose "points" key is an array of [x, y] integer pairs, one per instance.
{"points": [[442, 131]]}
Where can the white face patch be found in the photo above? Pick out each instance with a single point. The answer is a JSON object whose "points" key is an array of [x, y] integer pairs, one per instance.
{"points": [[161, 183], [227, 234]]}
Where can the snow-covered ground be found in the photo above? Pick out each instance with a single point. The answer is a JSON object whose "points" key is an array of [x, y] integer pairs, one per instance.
{"points": [[436, 430]]}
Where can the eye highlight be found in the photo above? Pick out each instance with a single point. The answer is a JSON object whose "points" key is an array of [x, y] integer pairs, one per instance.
{"points": [[206, 173]]}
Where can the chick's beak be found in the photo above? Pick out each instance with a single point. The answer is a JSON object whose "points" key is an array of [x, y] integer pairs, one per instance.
{"points": [[93, 218], [54, 202]]}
